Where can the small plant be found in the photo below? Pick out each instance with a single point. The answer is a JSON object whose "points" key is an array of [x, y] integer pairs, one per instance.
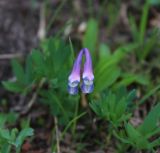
{"points": [[12, 139], [143, 136], [116, 109]]}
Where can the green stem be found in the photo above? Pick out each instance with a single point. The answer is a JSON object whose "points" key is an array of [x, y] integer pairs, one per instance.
{"points": [[18, 149], [70, 123], [67, 127], [75, 122], [52, 141], [149, 94], [143, 23]]}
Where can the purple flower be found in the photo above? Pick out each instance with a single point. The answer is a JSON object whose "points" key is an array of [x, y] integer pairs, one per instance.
{"points": [[74, 77], [88, 77]]}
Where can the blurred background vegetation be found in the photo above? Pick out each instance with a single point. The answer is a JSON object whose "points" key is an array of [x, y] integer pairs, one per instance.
{"points": [[39, 41]]}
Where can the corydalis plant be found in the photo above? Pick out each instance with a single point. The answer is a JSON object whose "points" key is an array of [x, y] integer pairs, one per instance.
{"points": [[87, 75]]}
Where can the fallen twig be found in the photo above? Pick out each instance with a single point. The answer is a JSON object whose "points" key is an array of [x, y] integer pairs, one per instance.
{"points": [[10, 56], [34, 96], [57, 135]]}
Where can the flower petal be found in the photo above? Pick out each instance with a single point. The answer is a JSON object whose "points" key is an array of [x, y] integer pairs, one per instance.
{"points": [[87, 88], [88, 77], [75, 74], [73, 90], [74, 77], [88, 71]]}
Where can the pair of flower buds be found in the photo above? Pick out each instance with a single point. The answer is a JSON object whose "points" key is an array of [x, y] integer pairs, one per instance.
{"points": [[87, 75]]}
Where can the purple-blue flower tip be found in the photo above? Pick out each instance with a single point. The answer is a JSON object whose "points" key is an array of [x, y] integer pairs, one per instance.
{"points": [[74, 77], [87, 76], [73, 88], [87, 86]]}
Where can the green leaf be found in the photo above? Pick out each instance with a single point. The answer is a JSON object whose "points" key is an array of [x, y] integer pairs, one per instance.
{"points": [[136, 138], [61, 57], [14, 133], [115, 58], [143, 22], [112, 107], [153, 133], [107, 78], [22, 136], [122, 51], [4, 133], [6, 148], [111, 100], [12, 86], [107, 71], [131, 95], [155, 143], [150, 122], [91, 35], [29, 76], [95, 107], [38, 63], [122, 138], [18, 71], [120, 107], [7, 118], [11, 117], [148, 46], [149, 94], [134, 28], [104, 51], [133, 134], [72, 56], [124, 117], [129, 78], [3, 119]]}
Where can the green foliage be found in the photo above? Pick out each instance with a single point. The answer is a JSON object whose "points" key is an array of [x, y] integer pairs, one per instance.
{"points": [[141, 137], [60, 106], [151, 121], [50, 63], [22, 136], [129, 78], [24, 77], [13, 139], [150, 93], [106, 69], [147, 42], [91, 36], [143, 22], [114, 107], [8, 118], [45, 71]]}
